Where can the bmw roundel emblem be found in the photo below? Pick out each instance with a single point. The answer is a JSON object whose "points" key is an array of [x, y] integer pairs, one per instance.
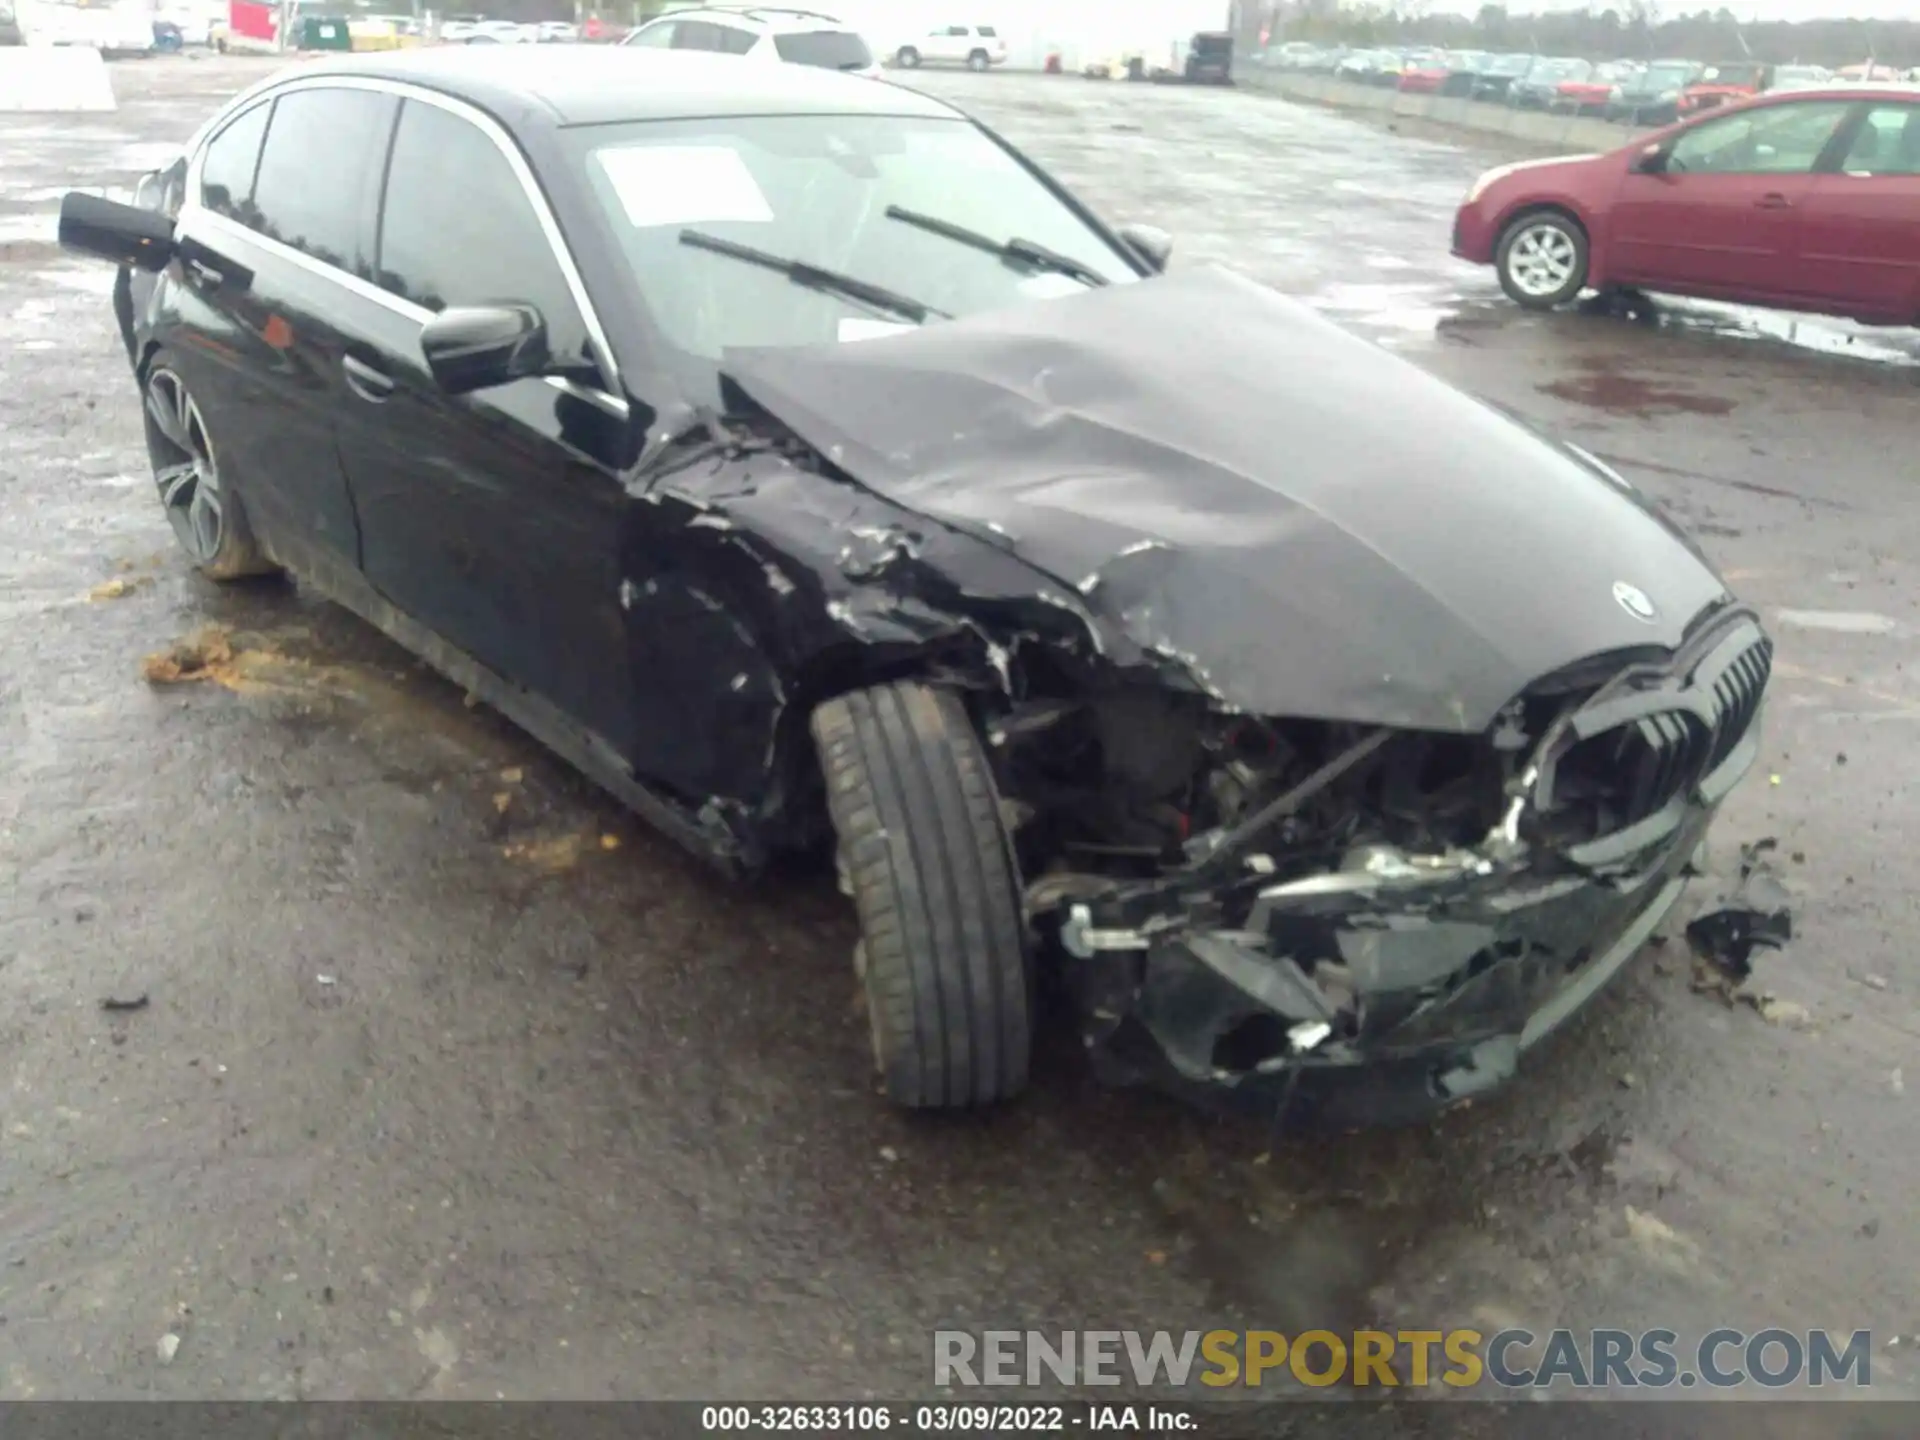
{"points": [[1634, 601]]}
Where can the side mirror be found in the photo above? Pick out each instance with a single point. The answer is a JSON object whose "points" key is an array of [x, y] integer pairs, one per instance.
{"points": [[1650, 161], [109, 230], [1149, 242], [470, 348]]}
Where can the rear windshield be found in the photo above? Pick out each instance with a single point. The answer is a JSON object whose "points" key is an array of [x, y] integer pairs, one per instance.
{"points": [[829, 49]]}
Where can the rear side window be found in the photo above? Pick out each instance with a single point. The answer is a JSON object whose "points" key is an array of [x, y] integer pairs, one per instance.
{"points": [[987, 32], [227, 168], [457, 228], [828, 49], [697, 35], [733, 40], [318, 174], [1887, 143]]}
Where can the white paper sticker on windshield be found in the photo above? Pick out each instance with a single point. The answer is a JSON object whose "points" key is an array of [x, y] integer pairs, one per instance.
{"points": [[858, 327], [683, 185]]}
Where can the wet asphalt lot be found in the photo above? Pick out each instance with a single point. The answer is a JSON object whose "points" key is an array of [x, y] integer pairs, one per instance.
{"points": [[453, 1082]]}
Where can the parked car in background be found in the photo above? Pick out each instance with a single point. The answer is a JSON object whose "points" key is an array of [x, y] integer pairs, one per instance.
{"points": [[1589, 96], [1653, 96], [1371, 67], [1463, 67], [1293, 55], [1807, 200], [1800, 77], [1720, 84], [762, 34], [978, 47], [1536, 89], [556, 32], [1497, 78], [1425, 77]]}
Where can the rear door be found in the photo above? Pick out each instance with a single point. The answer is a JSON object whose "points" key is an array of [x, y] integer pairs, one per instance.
{"points": [[1860, 239], [276, 238], [495, 518], [1722, 218]]}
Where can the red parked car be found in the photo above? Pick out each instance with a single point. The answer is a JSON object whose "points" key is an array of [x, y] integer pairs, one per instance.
{"points": [[1808, 200], [1722, 85]]}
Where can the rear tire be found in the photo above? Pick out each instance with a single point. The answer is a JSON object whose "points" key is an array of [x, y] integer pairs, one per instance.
{"points": [[1542, 259], [908, 57], [209, 521], [926, 856], [979, 60]]}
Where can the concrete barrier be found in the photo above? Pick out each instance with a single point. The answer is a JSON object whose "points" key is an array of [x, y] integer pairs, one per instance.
{"points": [[1535, 127], [63, 78]]}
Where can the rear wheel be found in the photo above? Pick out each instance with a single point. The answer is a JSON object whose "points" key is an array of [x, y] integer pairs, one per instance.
{"points": [[1542, 259], [978, 60], [207, 517], [908, 57], [925, 854]]}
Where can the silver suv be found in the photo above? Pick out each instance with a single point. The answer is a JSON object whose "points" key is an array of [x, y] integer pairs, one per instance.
{"points": [[761, 32]]}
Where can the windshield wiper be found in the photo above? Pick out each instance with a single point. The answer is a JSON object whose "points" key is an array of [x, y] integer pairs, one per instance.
{"points": [[1020, 252], [815, 278]]}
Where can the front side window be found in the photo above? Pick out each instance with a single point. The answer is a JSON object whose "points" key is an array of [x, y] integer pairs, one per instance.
{"points": [[457, 228], [828, 49], [655, 37], [314, 189], [1778, 140], [733, 40], [227, 167], [1888, 143], [818, 189]]}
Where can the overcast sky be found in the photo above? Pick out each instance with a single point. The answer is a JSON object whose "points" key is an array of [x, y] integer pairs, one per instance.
{"points": [[1745, 9]]}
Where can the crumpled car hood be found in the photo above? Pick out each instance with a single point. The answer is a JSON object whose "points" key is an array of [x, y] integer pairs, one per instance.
{"points": [[1309, 525]]}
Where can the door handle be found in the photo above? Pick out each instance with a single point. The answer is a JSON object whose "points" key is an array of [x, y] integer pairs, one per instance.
{"points": [[211, 276], [1774, 200], [365, 380]]}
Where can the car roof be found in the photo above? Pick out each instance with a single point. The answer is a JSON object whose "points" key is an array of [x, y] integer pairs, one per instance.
{"points": [[600, 85], [769, 18]]}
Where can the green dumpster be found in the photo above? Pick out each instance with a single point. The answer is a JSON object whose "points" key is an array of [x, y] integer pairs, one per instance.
{"points": [[324, 32]]}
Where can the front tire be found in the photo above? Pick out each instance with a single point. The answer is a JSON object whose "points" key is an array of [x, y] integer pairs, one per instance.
{"points": [[908, 57], [1542, 259], [926, 856], [207, 517]]}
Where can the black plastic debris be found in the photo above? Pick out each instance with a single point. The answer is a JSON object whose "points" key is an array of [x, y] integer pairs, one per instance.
{"points": [[1756, 916], [114, 1006]]}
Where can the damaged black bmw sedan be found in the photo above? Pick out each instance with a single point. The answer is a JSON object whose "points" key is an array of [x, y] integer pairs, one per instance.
{"points": [[815, 473]]}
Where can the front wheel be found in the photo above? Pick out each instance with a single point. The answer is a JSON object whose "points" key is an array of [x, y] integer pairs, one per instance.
{"points": [[908, 57], [925, 854], [1542, 259]]}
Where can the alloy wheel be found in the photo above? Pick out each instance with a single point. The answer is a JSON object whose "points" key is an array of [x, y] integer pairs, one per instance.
{"points": [[1542, 259], [184, 468]]}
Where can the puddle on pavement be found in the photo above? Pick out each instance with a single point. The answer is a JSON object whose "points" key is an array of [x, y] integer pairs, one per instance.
{"points": [[1628, 395]]}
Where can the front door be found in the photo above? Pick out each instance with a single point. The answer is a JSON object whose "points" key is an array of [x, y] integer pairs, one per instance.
{"points": [[1860, 240], [494, 519], [1721, 216]]}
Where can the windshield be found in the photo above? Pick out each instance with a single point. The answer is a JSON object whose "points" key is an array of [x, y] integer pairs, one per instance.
{"points": [[1512, 64], [1662, 77], [816, 189], [829, 49]]}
